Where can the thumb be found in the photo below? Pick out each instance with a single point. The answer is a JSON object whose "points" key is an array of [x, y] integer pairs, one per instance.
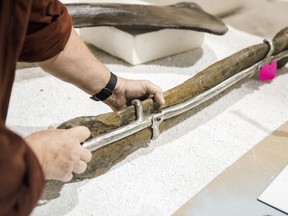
{"points": [[156, 92], [159, 98], [80, 132]]}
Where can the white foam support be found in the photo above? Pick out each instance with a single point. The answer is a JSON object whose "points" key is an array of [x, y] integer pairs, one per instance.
{"points": [[142, 47], [137, 48], [160, 178]]}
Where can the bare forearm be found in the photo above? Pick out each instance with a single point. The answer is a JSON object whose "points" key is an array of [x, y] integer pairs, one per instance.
{"points": [[77, 65]]}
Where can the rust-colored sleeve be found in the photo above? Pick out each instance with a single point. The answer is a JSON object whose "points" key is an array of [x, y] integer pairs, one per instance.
{"points": [[49, 29], [21, 178]]}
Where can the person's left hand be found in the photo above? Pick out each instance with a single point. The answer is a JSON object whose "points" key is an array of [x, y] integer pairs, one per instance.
{"points": [[128, 90]]}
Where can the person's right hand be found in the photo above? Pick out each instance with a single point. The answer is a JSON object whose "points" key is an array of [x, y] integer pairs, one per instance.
{"points": [[127, 90], [60, 153]]}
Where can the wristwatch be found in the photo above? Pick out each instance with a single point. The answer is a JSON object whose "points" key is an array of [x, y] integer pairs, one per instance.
{"points": [[107, 91]]}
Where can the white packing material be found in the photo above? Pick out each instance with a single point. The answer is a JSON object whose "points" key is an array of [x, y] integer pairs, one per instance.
{"points": [[159, 179]]}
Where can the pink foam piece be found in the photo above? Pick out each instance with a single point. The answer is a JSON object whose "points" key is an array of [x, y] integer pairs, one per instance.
{"points": [[268, 71]]}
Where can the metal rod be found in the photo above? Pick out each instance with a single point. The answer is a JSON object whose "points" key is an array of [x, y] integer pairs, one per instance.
{"points": [[155, 119]]}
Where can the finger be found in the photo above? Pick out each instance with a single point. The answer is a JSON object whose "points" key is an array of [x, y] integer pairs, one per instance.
{"points": [[85, 155], [159, 98], [156, 92], [80, 132], [80, 167], [66, 178]]}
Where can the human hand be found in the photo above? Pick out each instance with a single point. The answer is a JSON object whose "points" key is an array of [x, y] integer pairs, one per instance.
{"points": [[128, 90], [60, 153]]}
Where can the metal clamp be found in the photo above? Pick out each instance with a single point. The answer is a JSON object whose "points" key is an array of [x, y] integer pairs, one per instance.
{"points": [[138, 109], [269, 56], [156, 119]]}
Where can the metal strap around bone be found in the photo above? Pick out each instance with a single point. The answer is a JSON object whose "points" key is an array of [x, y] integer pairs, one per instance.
{"points": [[269, 56], [154, 120]]}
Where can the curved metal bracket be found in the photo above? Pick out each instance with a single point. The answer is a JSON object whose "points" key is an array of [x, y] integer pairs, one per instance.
{"points": [[269, 55], [138, 109], [155, 119]]}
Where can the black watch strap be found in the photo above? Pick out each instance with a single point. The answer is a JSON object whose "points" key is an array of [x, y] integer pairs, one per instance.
{"points": [[107, 90]]}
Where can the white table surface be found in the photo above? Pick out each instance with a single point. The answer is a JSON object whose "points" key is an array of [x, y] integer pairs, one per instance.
{"points": [[159, 179]]}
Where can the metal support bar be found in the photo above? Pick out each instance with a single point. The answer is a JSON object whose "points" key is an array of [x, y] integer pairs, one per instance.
{"points": [[154, 120]]}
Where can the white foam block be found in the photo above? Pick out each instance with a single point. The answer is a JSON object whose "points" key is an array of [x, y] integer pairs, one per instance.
{"points": [[140, 47], [137, 48], [276, 194]]}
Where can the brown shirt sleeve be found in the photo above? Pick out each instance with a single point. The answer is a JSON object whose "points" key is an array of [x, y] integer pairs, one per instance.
{"points": [[49, 29], [21, 176], [49, 26]]}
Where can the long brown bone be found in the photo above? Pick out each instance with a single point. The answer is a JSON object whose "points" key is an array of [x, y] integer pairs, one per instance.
{"points": [[146, 17], [104, 158]]}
